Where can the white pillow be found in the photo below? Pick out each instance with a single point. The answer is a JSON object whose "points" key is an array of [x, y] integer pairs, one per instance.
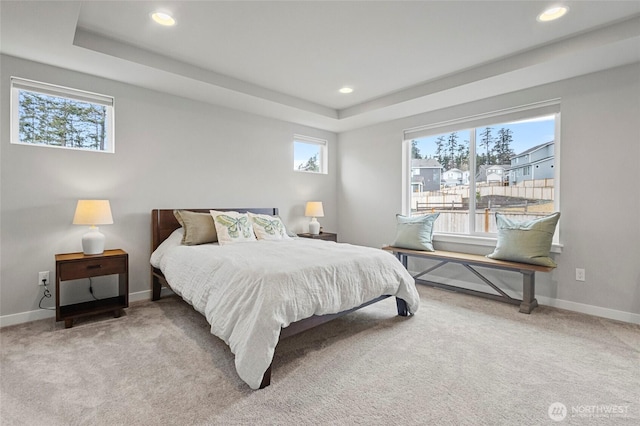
{"points": [[232, 227], [268, 227]]}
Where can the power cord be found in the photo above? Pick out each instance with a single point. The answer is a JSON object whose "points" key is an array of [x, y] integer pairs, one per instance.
{"points": [[91, 289], [47, 294]]}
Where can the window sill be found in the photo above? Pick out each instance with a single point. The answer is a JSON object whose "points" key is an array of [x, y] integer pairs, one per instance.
{"points": [[478, 241], [310, 172]]}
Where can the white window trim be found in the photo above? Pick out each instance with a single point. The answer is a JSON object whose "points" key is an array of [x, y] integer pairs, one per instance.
{"points": [[481, 241], [549, 107], [522, 112], [322, 143], [18, 84]]}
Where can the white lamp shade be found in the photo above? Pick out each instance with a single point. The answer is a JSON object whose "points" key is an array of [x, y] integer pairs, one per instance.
{"points": [[314, 209], [93, 212]]}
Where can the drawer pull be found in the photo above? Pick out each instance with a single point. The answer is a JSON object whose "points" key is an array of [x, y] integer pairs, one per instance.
{"points": [[94, 266]]}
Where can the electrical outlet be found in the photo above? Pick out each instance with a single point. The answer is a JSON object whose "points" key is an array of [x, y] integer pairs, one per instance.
{"points": [[43, 276], [580, 274]]}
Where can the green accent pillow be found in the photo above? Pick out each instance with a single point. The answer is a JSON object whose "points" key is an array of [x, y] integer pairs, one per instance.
{"points": [[198, 227], [525, 242], [415, 232]]}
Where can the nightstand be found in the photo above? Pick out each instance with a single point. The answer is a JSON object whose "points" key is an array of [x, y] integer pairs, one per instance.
{"points": [[74, 266], [326, 236]]}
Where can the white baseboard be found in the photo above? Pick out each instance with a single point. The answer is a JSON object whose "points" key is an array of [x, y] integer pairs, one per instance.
{"points": [[582, 308], [22, 317], [596, 311], [40, 314], [13, 319]]}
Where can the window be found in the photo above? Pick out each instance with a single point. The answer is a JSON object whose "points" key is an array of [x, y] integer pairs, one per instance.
{"points": [[501, 162], [309, 154], [47, 115]]}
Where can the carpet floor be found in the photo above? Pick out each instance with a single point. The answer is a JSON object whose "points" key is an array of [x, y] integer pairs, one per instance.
{"points": [[460, 360]]}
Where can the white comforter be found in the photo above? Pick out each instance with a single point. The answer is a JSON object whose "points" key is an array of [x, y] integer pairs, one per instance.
{"points": [[249, 291]]}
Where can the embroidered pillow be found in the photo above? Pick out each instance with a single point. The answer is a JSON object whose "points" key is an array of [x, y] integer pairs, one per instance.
{"points": [[526, 242], [232, 227], [288, 231], [268, 227], [415, 232], [198, 227]]}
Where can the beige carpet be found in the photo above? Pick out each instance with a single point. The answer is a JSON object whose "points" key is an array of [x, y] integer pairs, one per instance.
{"points": [[460, 361]]}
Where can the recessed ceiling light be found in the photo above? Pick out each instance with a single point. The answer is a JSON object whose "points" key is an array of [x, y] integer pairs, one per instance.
{"points": [[553, 13], [163, 18], [346, 90]]}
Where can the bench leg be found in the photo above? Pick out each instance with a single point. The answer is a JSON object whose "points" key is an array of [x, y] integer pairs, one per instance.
{"points": [[403, 258], [529, 301]]}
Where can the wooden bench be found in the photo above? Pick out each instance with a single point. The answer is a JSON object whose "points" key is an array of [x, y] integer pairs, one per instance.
{"points": [[528, 302]]}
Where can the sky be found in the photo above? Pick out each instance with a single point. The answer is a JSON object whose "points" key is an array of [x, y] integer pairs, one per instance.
{"points": [[302, 152], [526, 134]]}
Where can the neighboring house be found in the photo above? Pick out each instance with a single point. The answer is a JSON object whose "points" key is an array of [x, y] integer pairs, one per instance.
{"points": [[465, 177], [454, 177], [493, 174], [425, 175], [534, 163]]}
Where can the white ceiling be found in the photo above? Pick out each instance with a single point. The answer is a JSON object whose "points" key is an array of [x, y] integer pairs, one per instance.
{"points": [[288, 59]]}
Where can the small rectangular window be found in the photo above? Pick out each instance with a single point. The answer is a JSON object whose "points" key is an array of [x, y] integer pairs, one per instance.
{"points": [[47, 115], [309, 154]]}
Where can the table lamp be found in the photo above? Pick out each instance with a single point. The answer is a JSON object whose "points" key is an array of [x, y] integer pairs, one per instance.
{"points": [[92, 213], [313, 210]]}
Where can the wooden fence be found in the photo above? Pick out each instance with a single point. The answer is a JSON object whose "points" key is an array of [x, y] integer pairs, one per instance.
{"points": [[532, 192], [457, 221]]}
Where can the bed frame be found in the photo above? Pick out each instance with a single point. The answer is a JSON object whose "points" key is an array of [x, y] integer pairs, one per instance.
{"points": [[163, 223]]}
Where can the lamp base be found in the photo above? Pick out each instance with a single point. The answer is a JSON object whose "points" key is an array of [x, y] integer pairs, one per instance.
{"points": [[93, 241], [314, 226]]}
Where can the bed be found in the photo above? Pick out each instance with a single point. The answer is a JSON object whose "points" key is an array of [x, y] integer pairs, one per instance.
{"points": [[252, 302]]}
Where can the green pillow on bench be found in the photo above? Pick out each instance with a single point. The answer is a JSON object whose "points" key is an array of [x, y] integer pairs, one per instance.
{"points": [[415, 232], [526, 242]]}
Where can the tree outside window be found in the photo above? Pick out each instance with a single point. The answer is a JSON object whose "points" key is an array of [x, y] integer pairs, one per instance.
{"points": [[309, 154], [507, 167], [48, 115]]}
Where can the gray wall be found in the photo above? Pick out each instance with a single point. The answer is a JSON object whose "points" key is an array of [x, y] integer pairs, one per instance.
{"points": [[174, 152], [170, 152], [600, 223]]}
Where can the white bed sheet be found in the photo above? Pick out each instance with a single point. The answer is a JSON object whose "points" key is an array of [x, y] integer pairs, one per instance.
{"points": [[249, 291]]}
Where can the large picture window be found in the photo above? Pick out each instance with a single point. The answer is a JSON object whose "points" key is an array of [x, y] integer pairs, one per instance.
{"points": [[471, 169], [47, 115]]}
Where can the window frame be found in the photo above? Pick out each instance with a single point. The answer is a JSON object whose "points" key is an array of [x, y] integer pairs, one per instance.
{"points": [[323, 151], [471, 124], [18, 84]]}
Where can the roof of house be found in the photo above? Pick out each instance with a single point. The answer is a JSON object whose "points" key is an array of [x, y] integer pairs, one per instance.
{"points": [[535, 148], [481, 176], [430, 163]]}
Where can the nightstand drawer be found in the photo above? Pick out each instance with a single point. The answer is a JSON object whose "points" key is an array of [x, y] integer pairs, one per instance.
{"points": [[92, 268]]}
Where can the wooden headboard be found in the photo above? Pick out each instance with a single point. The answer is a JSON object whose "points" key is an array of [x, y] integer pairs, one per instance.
{"points": [[163, 221]]}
